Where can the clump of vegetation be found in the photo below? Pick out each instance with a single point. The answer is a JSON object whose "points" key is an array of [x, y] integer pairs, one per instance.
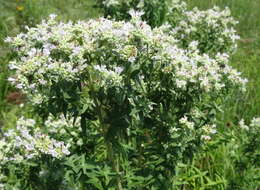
{"points": [[144, 104], [129, 103], [212, 29]]}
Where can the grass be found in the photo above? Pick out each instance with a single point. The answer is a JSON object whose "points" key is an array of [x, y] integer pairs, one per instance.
{"points": [[219, 166]]}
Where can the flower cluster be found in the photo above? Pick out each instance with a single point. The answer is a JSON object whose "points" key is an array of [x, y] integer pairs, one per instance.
{"points": [[28, 142], [54, 52], [108, 77], [188, 124], [255, 123], [66, 129], [61, 124], [213, 29]]}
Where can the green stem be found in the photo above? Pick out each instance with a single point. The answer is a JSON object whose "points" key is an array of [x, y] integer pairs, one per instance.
{"points": [[111, 155], [83, 128], [114, 160]]}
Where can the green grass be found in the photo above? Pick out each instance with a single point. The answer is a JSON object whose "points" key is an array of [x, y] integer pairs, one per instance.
{"points": [[218, 164]]}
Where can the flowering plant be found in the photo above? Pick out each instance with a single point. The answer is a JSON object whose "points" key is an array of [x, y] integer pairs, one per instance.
{"points": [[28, 148], [137, 102], [212, 30], [153, 11]]}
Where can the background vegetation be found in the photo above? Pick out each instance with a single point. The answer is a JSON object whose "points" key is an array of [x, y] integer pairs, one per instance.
{"points": [[231, 159]]}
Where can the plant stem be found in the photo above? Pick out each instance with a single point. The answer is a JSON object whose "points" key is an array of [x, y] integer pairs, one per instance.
{"points": [[111, 155], [115, 164]]}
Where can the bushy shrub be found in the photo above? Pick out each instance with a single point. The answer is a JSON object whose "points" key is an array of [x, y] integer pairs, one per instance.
{"points": [[212, 29], [25, 152], [133, 102]]}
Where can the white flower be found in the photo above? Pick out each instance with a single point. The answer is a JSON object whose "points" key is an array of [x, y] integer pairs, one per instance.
{"points": [[42, 81], [101, 68], [181, 83], [109, 3], [19, 86], [188, 124], [194, 45], [8, 40], [32, 52], [119, 70], [131, 59], [242, 125], [52, 16], [173, 130], [255, 122], [27, 142], [65, 150], [12, 80], [205, 137], [136, 14]]}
